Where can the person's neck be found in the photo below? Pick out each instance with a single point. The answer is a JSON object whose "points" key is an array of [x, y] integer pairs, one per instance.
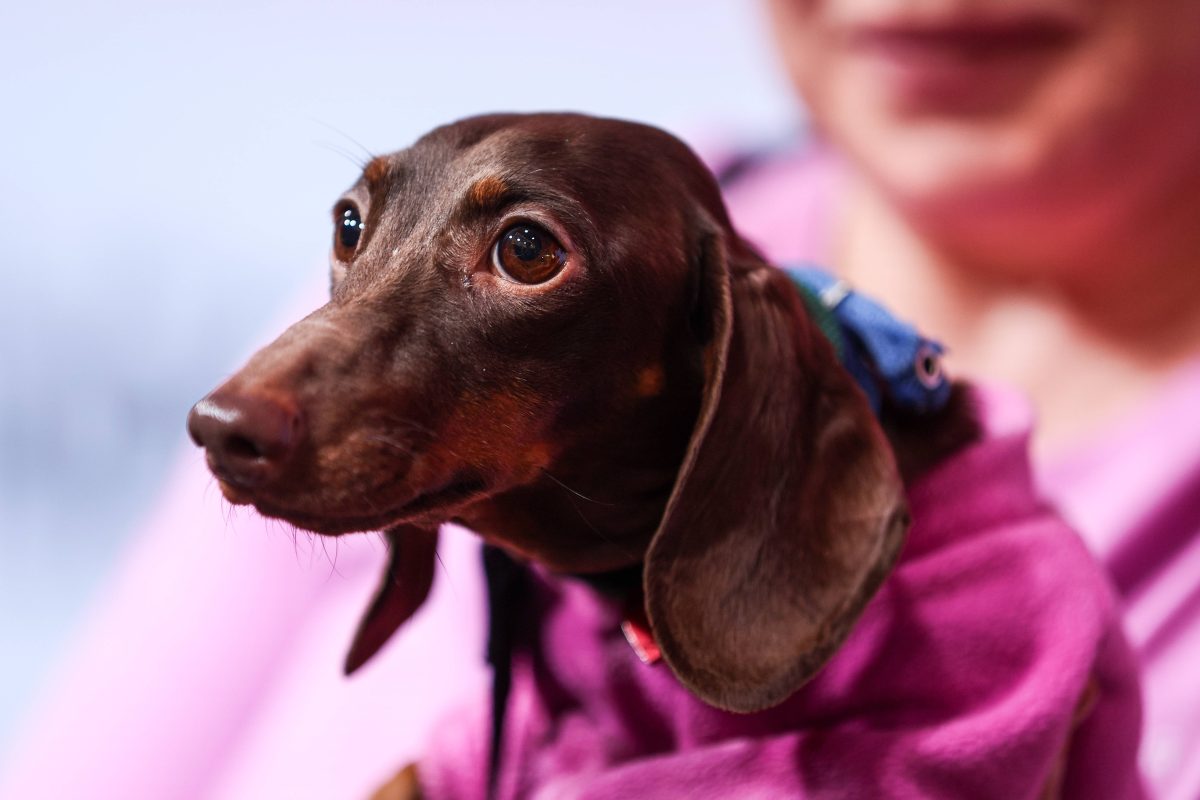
{"points": [[1088, 336]]}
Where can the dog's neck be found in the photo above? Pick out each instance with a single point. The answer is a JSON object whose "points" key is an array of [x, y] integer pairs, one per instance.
{"points": [[569, 530]]}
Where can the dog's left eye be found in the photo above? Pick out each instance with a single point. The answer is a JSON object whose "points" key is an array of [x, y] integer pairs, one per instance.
{"points": [[348, 231], [526, 253]]}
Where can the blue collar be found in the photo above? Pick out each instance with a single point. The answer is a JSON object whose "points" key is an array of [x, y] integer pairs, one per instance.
{"points": [[888, 358]]}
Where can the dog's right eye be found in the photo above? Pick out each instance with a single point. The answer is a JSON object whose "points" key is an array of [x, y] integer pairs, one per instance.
{"points": [[348, 231], [527, 253]]}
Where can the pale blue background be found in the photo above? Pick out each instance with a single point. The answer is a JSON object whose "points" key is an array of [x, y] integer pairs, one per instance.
{"points": [[165, 177]]}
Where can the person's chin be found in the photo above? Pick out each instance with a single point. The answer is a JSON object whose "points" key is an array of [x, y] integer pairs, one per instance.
{"points": [[948, 166]]}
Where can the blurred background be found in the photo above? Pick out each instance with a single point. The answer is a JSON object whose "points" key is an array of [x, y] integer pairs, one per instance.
{"points": [[166, 171]]}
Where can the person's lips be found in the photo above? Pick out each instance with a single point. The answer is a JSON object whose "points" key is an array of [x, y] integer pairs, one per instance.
{"points": [[962, 64]]}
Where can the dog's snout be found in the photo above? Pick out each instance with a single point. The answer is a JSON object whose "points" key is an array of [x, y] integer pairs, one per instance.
{"points": [[249, 437]]}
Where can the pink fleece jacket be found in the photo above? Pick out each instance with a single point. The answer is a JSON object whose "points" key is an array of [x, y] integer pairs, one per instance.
{"points": [[989, 665], [1133, 492]]}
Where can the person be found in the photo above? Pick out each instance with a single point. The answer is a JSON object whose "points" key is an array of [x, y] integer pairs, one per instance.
{"points": [[1024, 182], [1007, 178]]}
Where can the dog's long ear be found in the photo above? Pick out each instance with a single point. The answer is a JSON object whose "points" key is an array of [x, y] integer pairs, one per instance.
{"points": [[788, 510], [402, 590]]}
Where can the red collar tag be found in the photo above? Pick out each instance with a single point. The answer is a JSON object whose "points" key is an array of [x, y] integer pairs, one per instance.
{"points": [[636, 628]]}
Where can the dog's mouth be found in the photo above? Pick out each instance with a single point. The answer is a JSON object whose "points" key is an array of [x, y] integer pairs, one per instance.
{"points": [[432, 506]]}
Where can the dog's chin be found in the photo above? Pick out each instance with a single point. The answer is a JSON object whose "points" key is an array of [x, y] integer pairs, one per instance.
{"points": [[424, 508], [234, 493]]}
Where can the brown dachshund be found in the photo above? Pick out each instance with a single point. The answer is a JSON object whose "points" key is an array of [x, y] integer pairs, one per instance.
{"points": [[544, 327]]}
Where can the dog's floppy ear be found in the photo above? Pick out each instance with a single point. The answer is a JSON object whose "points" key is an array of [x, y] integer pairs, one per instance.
{"points": [[788, 510], [402, 590]]}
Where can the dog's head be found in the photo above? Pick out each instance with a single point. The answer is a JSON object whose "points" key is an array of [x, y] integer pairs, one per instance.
{"points": [[545, 327]]}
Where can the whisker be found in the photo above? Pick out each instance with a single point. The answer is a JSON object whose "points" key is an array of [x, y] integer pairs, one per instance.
{"points": [[405, 423], [580, 495], [596, 530], [293, 533], [381, 439], [370, 156], [446, 572], [346, 154], [333, 569]]}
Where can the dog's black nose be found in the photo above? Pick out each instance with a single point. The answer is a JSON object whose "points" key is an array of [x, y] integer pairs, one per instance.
{"points": [[249, 437]]}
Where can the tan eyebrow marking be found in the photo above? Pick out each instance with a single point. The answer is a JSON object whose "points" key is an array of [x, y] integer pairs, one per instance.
{"points": [[485, 192], [376, 170]]}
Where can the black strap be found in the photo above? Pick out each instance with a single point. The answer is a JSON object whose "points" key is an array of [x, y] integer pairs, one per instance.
{"points": [[505, 592]]}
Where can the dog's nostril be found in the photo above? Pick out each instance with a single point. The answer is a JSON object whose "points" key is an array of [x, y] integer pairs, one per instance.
{"points": [[241, 447]]}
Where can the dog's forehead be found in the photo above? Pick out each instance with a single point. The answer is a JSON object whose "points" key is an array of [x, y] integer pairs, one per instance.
{"points": [[511, 152], [560, 152]]}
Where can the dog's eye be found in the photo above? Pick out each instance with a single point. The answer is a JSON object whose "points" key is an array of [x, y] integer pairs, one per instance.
{"points": [[526, 253], [349, 228]]}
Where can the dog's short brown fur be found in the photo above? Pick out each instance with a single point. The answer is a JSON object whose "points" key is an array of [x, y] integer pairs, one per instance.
{"points": [[662, 398]]}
